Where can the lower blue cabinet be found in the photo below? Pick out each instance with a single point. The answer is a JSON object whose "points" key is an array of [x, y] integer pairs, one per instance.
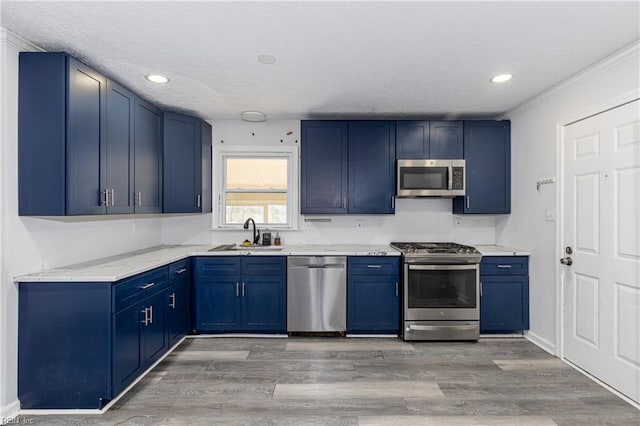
{"points": [[240, 294], [373, 304], [504, 294], [82, 343]]}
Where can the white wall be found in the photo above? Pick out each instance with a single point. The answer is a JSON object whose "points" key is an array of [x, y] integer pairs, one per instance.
{"points": [[415, 219], [533, 151], [29, 244]]}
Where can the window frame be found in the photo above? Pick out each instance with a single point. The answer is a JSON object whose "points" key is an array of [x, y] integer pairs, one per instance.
{"points": [[291, 153]]}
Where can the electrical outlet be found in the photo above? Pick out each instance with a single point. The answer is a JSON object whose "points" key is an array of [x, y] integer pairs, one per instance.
{"points": [[550, 215], [457, 221], [358, 224]]}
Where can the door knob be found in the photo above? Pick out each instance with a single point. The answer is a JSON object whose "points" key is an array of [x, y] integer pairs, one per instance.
{"points": [[567, 261]]}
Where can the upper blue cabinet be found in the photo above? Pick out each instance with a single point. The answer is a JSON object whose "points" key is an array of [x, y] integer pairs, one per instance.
{"points": [[429, 139], [323, 167], [347, 167], [187, 164], [86, 144], [487, 151], [62, 134]]}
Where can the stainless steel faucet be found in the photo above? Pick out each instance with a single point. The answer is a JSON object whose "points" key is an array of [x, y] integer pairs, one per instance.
{"points": [[256, 232]]}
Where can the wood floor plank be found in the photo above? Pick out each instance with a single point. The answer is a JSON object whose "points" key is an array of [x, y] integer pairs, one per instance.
{"points": [[455, 421], [358, 390]]}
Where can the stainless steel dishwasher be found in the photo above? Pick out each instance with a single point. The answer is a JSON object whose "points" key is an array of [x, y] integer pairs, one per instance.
{"points": [[316, 293]]}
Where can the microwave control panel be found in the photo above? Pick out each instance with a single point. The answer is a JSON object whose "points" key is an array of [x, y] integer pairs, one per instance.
{"points": [[458, 178]]}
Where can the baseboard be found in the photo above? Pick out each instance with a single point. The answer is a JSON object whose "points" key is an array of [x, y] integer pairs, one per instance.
{"points": [[9, 412], [541, 342]]}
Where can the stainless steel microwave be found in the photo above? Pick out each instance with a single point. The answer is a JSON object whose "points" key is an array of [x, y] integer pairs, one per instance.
{"points": [[431, 178]]}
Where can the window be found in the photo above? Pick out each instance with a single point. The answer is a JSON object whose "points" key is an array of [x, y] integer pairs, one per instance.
{"points": [[257, 184]]}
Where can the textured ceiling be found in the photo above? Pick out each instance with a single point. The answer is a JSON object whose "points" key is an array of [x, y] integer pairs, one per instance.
{"points": [[358, 59]]}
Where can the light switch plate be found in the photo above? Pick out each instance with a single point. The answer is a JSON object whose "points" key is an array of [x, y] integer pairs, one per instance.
{"points": [[550, 215]]}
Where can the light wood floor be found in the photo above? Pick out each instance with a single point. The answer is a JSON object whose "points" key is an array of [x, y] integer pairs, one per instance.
{"points": [[361, 381]]}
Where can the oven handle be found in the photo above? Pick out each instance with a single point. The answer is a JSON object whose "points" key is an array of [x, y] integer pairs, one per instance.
{"points": [[440, 327], [441, 267]]}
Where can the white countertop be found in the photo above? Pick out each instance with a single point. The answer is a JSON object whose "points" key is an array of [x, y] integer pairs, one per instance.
{"points": [[126, 265], [492, 250]]}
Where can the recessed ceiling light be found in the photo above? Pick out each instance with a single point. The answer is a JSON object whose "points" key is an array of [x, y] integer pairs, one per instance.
{"points": [[501, 78], [157, 78], [253, 116], [267, 59]]}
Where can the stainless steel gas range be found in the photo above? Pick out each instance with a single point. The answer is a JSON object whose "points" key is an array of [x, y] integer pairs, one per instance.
{"points": [[441, 295]]}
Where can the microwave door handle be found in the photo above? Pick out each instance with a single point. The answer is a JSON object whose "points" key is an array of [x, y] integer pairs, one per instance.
{"points": [[450, 177]]}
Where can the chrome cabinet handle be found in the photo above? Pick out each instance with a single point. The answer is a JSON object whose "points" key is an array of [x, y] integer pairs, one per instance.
{"points": [[113, 197], [467, 201], [396, 288], [105, 202], [237, 290], [243, 289], [344, 201], [151, 314], [480, 288], [138, 199], [181, 271], [393, 202], [146, 316], [172, 297], [198, 200], [374, 266], [146, 286], [504, 266]]}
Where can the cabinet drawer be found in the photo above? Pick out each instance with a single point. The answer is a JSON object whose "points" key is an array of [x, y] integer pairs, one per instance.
{"points": [[264, 265], [179, 270], [132, 290], [504, 265], [373, 265], [217, 266]]}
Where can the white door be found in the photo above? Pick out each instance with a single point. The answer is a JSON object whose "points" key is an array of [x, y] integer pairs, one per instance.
{"points": [[601, 315]]}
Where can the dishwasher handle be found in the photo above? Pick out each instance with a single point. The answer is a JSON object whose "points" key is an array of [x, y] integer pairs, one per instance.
{"points": [[326, 266]]}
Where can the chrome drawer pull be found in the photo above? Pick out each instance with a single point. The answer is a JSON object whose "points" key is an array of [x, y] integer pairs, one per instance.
{"points": [[504, 266], [172, 298], [440, 327], [146, 286], [374, 266], [180, 271]]}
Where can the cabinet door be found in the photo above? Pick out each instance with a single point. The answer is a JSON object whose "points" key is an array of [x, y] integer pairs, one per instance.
{"points": [[147, 158], [127, 357], [487, 151], [504, 303], [372, 303], [182, 164], [446, 140], [86, 106], [264, 303], [177, 302], [371, 167], [323, 168], [218, 303], [206, 203], [412, 139], [153, 334], [119, 149]]}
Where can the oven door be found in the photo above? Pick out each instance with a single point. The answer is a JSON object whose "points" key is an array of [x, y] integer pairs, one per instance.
{"points": [[441, 292]]}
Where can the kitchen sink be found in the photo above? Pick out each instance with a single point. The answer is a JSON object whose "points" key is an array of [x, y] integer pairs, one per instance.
{"points": [[236, 247]]}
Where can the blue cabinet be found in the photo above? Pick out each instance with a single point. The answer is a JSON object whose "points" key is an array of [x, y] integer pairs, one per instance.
{"points": [[504, 295], [429, 139], [347, 167], [147, 158], [61, 134], [371, 167], [82, 343], [118, 149], [178, 301], [87, 145], [487, 151], [323, 167], [240, 294], [373, 304], [187, 164]]}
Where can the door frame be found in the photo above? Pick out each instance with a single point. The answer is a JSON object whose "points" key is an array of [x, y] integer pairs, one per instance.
{"points": [[596, 109]]}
